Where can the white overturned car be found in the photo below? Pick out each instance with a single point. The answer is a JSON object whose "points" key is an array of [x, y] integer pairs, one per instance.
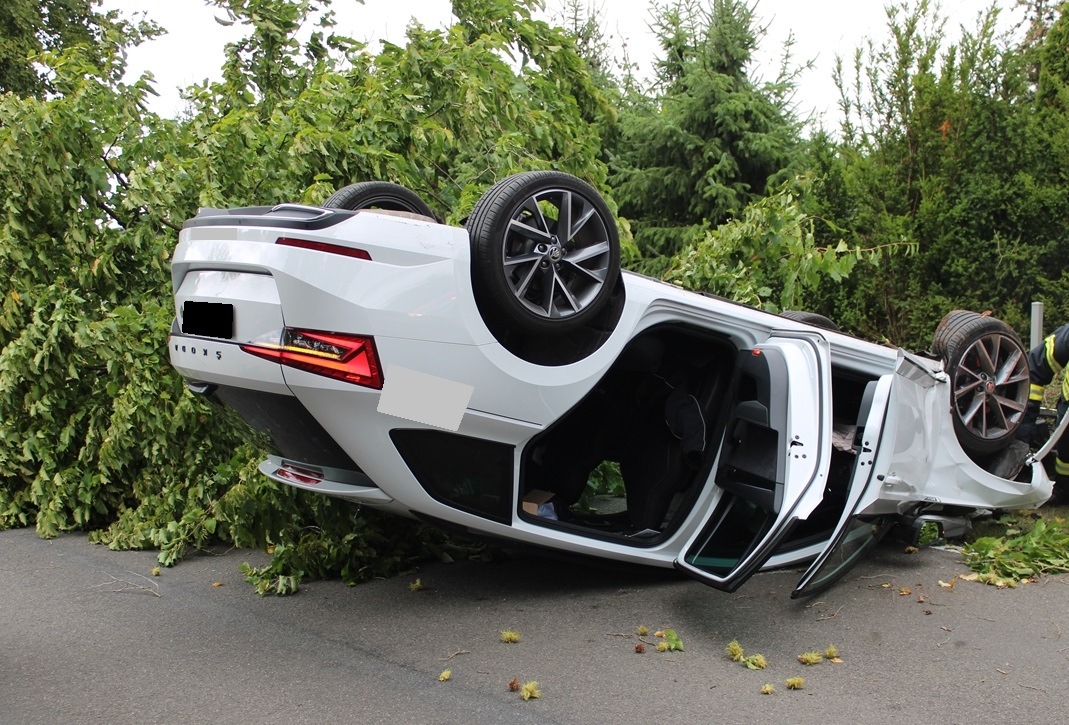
{"points": [[475, 377]]}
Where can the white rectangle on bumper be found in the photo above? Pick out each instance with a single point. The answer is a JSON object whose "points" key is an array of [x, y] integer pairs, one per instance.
{"points": [[424, 398]]}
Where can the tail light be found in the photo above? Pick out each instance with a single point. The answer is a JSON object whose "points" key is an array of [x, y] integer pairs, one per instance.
{"points": [[324, 247], [351, 358]]}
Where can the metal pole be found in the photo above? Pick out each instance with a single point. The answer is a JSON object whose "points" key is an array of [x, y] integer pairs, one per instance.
{"points": [[1037, 325]]}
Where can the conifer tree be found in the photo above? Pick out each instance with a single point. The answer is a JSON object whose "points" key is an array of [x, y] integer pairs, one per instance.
{"points": [[713, 140]]}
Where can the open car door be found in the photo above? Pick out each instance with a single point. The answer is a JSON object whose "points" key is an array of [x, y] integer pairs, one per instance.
{"points": [[773, 462], [890, 422]]}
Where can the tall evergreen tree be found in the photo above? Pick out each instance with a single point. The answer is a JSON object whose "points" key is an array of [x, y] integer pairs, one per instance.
{"points": [[1054, 64], [713, 140]]}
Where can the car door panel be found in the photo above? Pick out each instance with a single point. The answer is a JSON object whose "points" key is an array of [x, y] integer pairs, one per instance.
{"points": [[891, 422], [774, 459]]}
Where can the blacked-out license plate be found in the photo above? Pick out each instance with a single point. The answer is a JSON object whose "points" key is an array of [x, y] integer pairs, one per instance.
{"points": [[208, 319]]}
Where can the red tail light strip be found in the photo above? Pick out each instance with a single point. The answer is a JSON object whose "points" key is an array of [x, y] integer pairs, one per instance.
{"points": [[351, 358]]}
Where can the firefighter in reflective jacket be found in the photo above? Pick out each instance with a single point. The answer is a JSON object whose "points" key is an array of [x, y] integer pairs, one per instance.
{"points": [[1044, 362]]}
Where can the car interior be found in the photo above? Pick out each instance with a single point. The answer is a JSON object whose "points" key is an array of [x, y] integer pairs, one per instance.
{"points": [[679, 400]]}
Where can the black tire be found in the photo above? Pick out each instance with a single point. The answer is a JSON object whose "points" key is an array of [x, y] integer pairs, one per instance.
{"points": [[939, 337], [378, 195], [545, 253], [989, 381], [810, 318]]}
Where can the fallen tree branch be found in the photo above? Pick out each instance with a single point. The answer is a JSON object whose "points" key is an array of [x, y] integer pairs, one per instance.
{"points": [[152, 588]]}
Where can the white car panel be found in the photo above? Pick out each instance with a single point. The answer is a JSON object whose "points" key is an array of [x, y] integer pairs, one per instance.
{"points": [[257, 307], [204, 360]]}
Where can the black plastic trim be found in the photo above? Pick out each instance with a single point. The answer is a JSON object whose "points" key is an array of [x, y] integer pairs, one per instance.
{"points": [[468, 474], [289, 425], [281, 217]]}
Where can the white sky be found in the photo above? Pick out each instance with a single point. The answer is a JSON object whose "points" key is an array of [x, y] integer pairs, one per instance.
{"points": [[193, 48]]}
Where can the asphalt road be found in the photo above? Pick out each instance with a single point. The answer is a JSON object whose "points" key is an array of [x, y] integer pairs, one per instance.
{"points": [[82, 641]]}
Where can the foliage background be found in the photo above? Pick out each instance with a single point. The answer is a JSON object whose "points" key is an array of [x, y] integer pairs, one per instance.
{"points": [[944, 187]]}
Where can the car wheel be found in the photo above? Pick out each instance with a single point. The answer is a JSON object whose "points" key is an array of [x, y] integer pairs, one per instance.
{"points": [[989, 380], [545, 253], [810, 318], [378, 195]]}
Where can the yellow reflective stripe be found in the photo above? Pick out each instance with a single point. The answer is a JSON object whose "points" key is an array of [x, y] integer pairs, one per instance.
{"points": [[1065, 388], [1061, 467], [1054, 364], [1036, 392]]}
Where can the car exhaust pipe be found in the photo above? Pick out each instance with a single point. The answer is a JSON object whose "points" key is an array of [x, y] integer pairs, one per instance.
{"points": [[199, 388]]}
